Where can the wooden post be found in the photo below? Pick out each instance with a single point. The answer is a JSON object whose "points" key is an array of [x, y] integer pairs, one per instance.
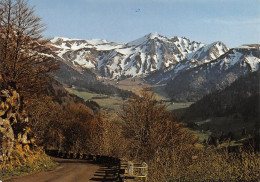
{"points": [[130, 168], [144, 171]]}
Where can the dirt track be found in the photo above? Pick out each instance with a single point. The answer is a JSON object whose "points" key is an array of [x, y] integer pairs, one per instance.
{"points": [[68, 170]]}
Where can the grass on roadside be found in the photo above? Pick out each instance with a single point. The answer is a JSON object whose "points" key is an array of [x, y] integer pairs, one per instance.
{"points": [[25, 161]]}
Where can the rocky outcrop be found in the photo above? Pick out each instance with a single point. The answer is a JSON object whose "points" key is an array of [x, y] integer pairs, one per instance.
{"points": [[13, 122]]}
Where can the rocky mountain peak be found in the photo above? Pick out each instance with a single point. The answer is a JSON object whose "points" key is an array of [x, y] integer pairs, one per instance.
{"points": [[145, 39], [140, 57]]}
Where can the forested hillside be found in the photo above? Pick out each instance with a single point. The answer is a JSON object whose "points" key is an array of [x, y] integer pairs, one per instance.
{"points": [[232, 113], [241, 98]]}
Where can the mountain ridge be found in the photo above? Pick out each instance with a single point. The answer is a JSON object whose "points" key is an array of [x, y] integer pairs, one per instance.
{"points": [[215, 75], [188, 69], [140, 57]]}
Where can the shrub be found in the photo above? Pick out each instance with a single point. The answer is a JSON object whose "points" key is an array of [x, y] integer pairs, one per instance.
{"points": [[24, 161]]}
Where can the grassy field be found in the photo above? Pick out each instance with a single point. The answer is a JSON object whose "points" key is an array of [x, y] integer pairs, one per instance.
{"points": [[132, 84], [136, 85], [106, 102], [115, 103], [178, 105]]}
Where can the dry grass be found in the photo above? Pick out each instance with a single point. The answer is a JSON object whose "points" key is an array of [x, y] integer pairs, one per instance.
{"points": [[207, 165], [24, 161]]}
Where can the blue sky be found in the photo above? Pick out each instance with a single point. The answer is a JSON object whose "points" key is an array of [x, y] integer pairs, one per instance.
{"points": [[234, 22]]}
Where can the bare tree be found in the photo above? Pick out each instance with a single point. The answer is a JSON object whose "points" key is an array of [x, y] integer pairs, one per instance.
{"points": [[141, 116], [24, 56], [155, 137], [25, 62]]}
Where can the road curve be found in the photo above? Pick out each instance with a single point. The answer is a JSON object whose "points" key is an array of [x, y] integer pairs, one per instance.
{"points": [[68, 170]]}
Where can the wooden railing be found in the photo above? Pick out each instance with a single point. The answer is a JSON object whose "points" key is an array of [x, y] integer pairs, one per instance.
{"points": [[135, 171], [122, 170]]}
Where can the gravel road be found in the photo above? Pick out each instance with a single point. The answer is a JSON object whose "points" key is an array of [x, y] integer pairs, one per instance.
{"points": [[68, 170]]}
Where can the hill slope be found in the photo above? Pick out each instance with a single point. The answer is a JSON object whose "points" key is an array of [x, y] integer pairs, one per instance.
{"points": [[194, 83], [231, 111], [86, 80], [242, 97]]}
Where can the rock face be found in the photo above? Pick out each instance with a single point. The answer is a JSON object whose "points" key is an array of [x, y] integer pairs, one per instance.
{"points": [[192, 84], [137, 58], [9, 106], [12, 118]]}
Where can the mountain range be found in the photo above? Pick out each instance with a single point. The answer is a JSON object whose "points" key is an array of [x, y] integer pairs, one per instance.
{"points": [[136, 58], [189, 69]]}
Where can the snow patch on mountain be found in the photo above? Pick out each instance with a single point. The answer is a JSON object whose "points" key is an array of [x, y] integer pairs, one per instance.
{"points": [[253, 61], [82, 61], [139, 57]]}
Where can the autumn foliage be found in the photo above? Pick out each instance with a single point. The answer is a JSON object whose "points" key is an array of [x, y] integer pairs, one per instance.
{"points": [[37, 111], [172, 151]]}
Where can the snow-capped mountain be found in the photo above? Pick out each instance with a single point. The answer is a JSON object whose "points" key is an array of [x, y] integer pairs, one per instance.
{"points": [[215, 75], [190, 69], [140, 57]]}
